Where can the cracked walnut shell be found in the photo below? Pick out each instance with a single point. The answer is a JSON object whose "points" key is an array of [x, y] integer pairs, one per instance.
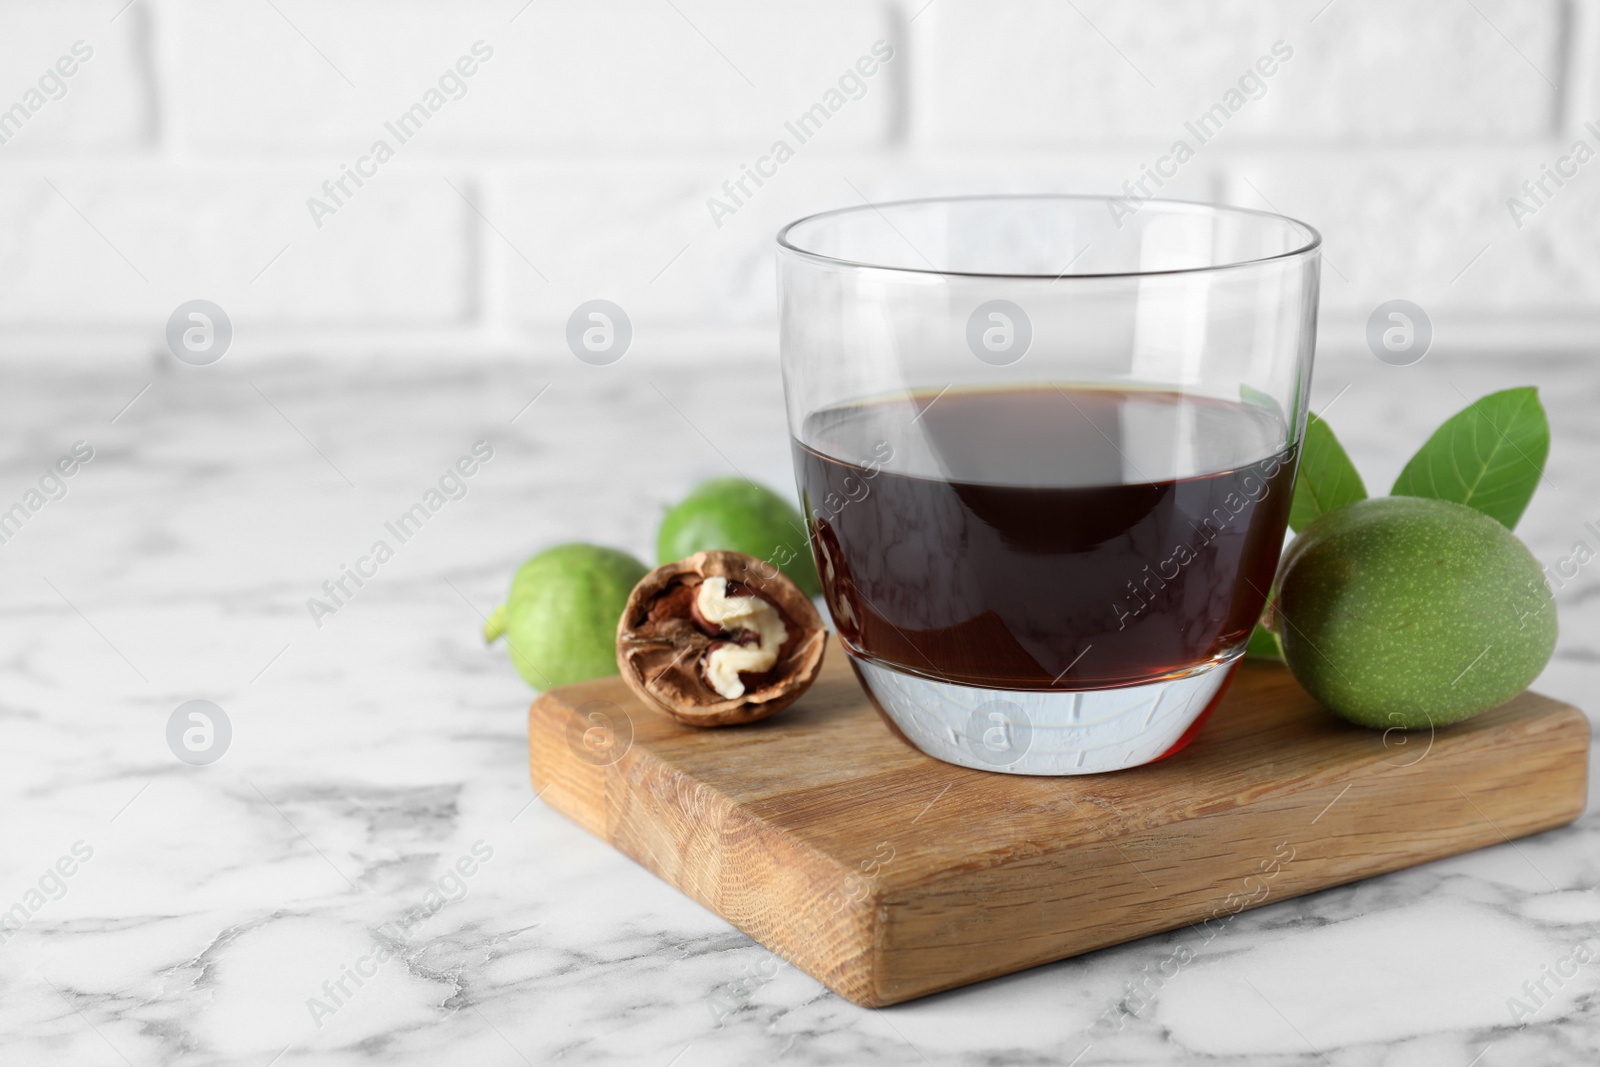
{"points": [[719, 639]]}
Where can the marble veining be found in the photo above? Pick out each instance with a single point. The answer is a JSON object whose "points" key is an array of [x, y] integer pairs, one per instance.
{"points": [[366, 877]]}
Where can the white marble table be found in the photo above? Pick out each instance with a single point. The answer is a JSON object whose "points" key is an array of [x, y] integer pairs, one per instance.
{"points": [[221, 907]]}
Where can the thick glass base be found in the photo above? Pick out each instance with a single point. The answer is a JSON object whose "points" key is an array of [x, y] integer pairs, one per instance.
{"points": [[1057, 732]]}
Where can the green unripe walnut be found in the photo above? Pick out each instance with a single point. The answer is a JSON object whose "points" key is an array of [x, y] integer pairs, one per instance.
{"points": [[736, 515], [560, 617], [1411, 612]]}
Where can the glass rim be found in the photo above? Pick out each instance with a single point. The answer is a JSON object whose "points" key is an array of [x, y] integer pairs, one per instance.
{"points": [[1191, 207]]}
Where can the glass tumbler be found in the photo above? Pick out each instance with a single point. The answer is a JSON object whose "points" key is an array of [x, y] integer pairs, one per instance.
{"points": [[1045, 446]]}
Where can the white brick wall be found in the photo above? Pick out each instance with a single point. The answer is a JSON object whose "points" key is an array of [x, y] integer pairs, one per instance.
{"points": [[576, 161], [1365, 72]]}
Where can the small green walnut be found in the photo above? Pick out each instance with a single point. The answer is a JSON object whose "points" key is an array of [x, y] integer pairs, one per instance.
{"points": [[1411, 612]]}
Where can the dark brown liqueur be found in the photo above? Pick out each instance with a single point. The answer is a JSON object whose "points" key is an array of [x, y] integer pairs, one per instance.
{"points": [[1046, 537]]}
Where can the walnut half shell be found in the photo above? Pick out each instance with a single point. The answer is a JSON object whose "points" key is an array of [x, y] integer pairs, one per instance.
{"points": [[668, 648]]}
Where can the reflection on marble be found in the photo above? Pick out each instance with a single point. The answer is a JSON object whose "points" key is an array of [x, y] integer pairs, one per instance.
{"points": [[306, 896]]}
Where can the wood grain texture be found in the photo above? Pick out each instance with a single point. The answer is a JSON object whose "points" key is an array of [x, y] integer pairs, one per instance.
{"points": [[889, 875]]}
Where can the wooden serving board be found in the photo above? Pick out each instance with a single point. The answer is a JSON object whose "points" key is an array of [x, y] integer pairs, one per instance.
{"points": [[889, 875]]}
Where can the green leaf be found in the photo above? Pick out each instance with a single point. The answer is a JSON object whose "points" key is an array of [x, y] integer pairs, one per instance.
{"points": [[1263, 644], [1326, 478], [1256, 398], [1489, 456]]}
